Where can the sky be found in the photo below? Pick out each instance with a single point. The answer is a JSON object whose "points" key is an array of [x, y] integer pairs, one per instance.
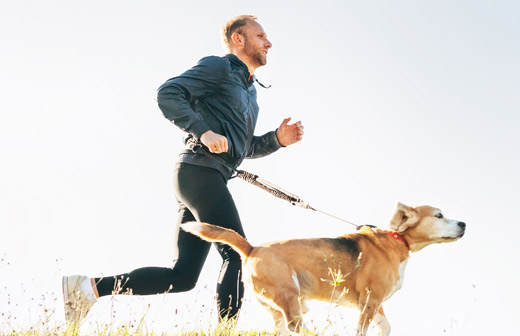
{"points": [[410, 101]]}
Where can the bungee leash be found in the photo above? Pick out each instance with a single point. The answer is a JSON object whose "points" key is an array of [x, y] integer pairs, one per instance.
{"points": [[265, 185]]}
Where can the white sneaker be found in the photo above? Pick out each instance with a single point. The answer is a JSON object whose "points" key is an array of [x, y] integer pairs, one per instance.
{"points": [[76, 303]]}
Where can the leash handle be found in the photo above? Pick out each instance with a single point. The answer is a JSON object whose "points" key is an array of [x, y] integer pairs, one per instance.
{"points": [[269, 184], [269, 187]]}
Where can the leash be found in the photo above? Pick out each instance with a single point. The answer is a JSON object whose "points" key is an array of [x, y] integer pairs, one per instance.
{"points": [[274, 190]]}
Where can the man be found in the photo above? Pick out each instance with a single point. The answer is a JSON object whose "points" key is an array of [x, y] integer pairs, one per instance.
{"points": [[215, 104]]}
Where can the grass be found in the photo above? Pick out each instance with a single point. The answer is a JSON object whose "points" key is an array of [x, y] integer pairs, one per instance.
{"points": [[126, 332], [46, 320], [221, 330], [24, 314], [45, 327]]}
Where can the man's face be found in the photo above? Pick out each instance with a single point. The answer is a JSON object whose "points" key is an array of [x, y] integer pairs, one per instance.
{"points": [[256, 43]]}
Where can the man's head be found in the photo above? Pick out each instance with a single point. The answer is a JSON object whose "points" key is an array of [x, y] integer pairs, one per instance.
{"points": [[244, 37]]}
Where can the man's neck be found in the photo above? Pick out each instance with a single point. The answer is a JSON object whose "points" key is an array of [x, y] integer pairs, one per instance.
{"points": [[246, 61]]}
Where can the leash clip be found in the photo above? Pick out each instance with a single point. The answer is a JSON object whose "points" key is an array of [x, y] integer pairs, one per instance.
{"points": [[236, 173], [195, 147]]}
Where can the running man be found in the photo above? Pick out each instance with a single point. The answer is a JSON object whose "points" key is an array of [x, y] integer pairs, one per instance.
{"points": [[215, 104]]}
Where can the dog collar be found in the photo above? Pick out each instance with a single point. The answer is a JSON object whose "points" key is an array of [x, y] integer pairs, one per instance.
{"points": [[397, 236]]}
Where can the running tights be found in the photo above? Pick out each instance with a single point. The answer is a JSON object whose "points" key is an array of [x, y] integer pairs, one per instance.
{"points": [[203, 196]]}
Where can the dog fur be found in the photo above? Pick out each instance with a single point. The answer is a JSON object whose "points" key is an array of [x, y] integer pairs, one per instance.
{"points": [[360, 270]]}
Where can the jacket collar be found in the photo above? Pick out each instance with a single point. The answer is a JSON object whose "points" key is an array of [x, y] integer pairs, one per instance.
{"points": [[235, 61]]}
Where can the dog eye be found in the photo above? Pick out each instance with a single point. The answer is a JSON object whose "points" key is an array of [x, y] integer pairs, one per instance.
{"points": [[404, 217], [439, 215]]}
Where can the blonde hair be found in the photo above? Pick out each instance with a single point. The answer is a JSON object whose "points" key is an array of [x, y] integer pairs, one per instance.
{"points": [[234, 25]]}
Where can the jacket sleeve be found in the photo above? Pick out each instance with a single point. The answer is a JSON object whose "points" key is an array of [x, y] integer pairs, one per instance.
{"points": [[263, 145], [175, 97]]}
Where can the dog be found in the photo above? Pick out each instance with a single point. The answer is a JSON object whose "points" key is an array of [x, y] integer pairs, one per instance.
{"points": [[360, 270]]}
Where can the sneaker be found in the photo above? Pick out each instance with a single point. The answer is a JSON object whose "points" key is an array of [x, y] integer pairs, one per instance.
{"points": [[76, 303]]}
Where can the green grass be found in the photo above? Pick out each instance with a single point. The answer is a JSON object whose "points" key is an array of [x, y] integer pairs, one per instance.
{"points": [[41, 316], [135, 328], [126, 331]]}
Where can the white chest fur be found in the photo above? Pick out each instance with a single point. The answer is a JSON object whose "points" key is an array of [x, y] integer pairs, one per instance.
{"points": [[399, 283]]}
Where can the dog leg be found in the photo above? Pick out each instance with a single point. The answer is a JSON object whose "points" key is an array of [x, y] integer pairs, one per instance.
{"points": [[382, 323], [279, 321], [290, 306], [368, 306], [304, 307]]}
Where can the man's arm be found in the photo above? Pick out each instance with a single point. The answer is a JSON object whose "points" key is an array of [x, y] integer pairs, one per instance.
{"points": [[174, 96], [287, 134], [263, 145]]}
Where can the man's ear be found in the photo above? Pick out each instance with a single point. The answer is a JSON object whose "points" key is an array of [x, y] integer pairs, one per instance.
{"points": [[237, 39], [404, 218]]}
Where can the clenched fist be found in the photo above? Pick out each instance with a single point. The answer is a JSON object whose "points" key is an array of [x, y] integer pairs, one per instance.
{"points": [[216, 143]]}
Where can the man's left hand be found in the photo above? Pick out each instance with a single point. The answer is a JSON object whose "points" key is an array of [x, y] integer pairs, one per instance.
{"points": [[289, 134]]}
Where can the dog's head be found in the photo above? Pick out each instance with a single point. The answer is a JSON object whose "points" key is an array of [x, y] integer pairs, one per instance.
{"points": [[424, 225]]}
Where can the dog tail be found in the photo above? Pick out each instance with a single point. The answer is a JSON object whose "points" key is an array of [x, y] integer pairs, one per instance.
{"points": [[215, 233]]}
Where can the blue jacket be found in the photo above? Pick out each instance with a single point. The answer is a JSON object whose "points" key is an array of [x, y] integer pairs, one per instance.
{"points": [[217, 94]]}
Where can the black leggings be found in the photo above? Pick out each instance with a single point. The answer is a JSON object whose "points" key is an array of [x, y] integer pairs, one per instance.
{"points": [[203, 196]]}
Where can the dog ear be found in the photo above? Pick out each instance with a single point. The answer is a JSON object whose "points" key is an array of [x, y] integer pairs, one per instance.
{"points": [[404, 218]]}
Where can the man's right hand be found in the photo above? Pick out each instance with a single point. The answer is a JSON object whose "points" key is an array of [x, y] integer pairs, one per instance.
{"points": [[216, 143]]}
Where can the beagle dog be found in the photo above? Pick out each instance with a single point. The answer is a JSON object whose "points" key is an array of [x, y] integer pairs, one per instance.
{"points": [[361, 269]]}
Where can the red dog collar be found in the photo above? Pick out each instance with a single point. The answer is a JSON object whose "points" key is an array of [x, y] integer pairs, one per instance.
{"points": [[397, 236]]}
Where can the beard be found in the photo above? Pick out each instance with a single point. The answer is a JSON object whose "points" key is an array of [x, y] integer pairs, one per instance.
{"points": [[255, 53]]}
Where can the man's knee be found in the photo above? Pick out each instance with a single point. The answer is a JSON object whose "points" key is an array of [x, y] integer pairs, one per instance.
{"points": [[184, 285], [182, 280]]}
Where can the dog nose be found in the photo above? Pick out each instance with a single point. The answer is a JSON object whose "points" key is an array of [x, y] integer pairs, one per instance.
{"points": [[462, 225]]}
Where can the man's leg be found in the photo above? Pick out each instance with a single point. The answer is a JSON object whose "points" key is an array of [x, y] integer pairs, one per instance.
{"points": [[215, 205], [159, 280], [80, 292], [230, 288], [203, 196]]}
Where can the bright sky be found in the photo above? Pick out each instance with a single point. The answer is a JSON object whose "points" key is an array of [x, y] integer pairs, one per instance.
{"points": [[411, 101]]}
